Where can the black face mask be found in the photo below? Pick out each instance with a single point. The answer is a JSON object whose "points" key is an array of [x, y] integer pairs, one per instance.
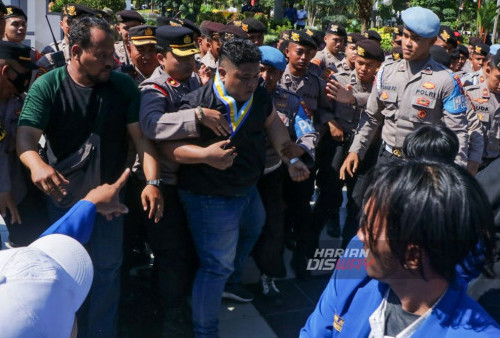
{"points": [[21, 82]]}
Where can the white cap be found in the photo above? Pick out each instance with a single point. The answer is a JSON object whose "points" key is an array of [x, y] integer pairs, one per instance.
{"points": [[42, 286]]}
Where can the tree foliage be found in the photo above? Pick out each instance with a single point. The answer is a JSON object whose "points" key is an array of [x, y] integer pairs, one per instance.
{"points": [[115, 5]]}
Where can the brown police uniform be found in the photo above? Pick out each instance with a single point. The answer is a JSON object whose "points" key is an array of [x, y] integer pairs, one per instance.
{"points": [[486, 105], [401, 102]]}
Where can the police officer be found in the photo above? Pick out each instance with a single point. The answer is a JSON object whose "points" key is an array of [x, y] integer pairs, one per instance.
{"points": [[397, 35], [446, 38], [299, 79], [470, 46], [485, 97], [350, 90], [161, 120], [332, 54], [59, 56], [476, 77], [268, 251], [19, 199], [409, 93], [142, 53], [347, 63], [16, 28], [255, 29], [127, 19], [459, 56], [210, 43]]}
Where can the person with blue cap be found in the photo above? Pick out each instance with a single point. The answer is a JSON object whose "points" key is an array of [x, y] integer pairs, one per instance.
{"points": [[268, 251], [410, 93]]}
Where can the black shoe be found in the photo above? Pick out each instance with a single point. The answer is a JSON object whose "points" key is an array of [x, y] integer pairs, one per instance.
{"points": [[270, 291], [238, 293]]}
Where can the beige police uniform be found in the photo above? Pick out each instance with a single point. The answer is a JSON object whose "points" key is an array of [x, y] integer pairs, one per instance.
{"points": [[311, 89], [160, 118], [401, 102], [121, 52], [324, 59], [486, 105], [347, 116], [467, 68], [11, 170]]}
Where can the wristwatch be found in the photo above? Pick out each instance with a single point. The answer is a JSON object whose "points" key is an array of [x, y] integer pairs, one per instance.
{"points": [[156, 183], [293, 161]]}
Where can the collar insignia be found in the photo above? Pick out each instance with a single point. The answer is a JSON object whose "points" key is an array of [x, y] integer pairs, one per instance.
{"points": [[171, 81]]}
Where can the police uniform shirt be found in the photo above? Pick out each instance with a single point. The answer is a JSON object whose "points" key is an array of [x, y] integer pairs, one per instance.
{"points": [[121, 52], [311, 89], [346, 115], [62, 46], [344, 66], [11, 178], [325, 59], [160, 118], [290, 109], [473, 78], [487, 107], [209, 61], [402, 102], [467, 68]]}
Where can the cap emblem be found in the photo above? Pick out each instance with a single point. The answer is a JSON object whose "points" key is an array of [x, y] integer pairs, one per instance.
{"points": [[71, 10], [445, 36], [334, 28], [148, 32], [349, 39], [361, 51], [9, 11], [187, 39], [244, 26], [295, 37], [309, 32], [478, 49]]}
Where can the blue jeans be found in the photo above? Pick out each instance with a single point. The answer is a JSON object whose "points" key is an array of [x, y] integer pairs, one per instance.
{"points": [[224, 231], [98, 315]]}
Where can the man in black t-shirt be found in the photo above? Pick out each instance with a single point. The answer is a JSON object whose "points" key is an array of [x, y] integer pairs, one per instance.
{"points": [[224, 210], [66, 105]]}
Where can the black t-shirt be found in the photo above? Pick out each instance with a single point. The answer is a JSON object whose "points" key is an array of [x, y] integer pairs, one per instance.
{"points": [[67, 113], [249, 141]]}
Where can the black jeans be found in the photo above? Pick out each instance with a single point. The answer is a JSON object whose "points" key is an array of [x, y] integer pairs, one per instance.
{"points": [[268, 251], [170, 240]]}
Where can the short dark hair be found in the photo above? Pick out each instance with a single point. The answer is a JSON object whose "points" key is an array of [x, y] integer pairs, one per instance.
{"points": [[431, 142], [240, 51], [438, 207], [79, 31]]}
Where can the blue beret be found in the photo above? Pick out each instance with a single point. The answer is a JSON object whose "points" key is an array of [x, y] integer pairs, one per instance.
{"points": [[421, 21], [494, 48], [273, 57]]}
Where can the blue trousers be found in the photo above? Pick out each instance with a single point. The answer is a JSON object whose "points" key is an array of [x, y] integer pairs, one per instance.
{"points": [[224, 231]]}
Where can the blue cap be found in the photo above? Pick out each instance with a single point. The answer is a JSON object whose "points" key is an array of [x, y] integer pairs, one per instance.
{"points": [[272, 57], [494, 48], [421, 21]]}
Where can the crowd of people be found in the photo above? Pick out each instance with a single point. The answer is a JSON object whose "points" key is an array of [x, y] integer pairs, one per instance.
{"points": [[228, 140]]}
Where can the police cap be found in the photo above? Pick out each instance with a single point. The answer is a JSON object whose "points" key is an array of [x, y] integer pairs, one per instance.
{"points": [[14, 11], [74, 10], [481, 49], [397, 31], [231, 31], [179, 40], [142, 35], [16, 51], [185, 23], [253, 26], [336, 29], [421, 21], [272, 57], [473, 40], [440, 55], [496, 60], [397, 53], [285, 35], [463, 50], [454, 54], [373, 35], [447, 35], [300, 37], [355, 37], [211, 29], [370, 49], [129, 15]]}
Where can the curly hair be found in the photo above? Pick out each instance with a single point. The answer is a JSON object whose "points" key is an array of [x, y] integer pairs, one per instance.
{"points": [[240, 51], [79, 31]]}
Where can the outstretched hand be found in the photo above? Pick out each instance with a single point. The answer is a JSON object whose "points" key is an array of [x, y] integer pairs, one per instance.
{"points": [[106, 197]]}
